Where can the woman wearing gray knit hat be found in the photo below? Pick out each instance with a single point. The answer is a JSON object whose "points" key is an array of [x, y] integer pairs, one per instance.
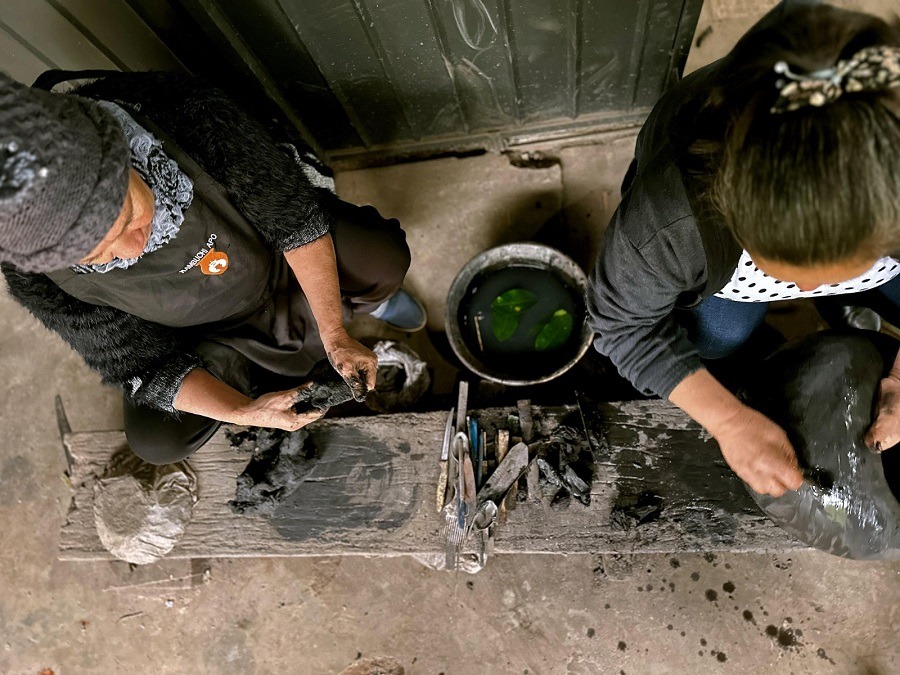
{"points": [[187, 257]]}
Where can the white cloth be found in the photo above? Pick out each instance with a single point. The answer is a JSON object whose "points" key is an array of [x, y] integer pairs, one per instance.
{"points": [[751, 284]]}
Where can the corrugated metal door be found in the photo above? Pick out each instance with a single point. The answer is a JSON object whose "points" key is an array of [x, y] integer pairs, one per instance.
{"points": [[406, 76], [37, 35]]}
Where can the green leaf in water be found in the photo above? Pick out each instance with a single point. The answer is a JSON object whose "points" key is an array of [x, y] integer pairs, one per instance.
{"points": [[554, 331], [514, 300], [507, 309]]}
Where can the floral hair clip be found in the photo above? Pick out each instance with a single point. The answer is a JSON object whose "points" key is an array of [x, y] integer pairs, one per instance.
{"points": [[871, 69]]}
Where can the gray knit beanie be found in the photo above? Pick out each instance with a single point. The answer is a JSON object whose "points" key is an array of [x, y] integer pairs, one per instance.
{"points": [[63, 176]]}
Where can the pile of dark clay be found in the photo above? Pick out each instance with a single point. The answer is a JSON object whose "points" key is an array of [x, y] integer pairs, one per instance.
{"points": [[632, 510], [329, 389], [281, 461], [566, 464]]}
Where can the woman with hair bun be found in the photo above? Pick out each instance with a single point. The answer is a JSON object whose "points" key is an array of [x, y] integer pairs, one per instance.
{"points": [[770, 175]]}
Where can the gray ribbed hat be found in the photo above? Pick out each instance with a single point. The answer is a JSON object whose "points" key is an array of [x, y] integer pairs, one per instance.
{"points": [[63, 176]]}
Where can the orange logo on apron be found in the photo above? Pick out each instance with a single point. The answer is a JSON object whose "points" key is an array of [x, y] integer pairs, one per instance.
{"points": [[214, 263]]}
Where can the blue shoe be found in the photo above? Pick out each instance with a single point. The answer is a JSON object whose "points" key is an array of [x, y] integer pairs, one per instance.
{"points": [[402, 311]]}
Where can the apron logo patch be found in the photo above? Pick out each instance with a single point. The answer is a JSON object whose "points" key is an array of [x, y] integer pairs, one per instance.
{"points": [[210, 261], [214, 263]]}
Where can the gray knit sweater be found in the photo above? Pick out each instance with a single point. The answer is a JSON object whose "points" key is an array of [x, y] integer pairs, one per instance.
{"points": [[661, 253]]}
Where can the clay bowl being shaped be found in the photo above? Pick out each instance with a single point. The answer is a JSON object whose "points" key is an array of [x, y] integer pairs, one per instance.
{"points": [[822, 391], [515, 314]]}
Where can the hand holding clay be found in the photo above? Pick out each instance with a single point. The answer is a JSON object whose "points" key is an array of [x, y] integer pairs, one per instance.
{"points": [[276, 411], [758, 451], [355, 363], [885, 431]]}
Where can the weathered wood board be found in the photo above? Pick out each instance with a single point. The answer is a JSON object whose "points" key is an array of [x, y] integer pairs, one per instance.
{"points": [[372, 492]]}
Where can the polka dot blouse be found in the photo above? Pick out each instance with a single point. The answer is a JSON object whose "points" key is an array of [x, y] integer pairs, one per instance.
{"points": [[751, 284]]}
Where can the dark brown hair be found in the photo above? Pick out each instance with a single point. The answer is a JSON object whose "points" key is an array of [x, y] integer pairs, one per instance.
{"points": [[816, 185]]}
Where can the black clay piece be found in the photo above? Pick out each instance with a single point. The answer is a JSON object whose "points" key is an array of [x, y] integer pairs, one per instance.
{"points": [[281, 460], [328, 389], [629, 512], [822, 389], [566, 465]]}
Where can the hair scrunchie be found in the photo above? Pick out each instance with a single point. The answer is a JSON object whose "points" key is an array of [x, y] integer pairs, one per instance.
{"points": [[870, 69]]}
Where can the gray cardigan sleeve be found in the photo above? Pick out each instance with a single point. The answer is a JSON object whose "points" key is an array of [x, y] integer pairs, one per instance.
{"points": [[634, 288]]}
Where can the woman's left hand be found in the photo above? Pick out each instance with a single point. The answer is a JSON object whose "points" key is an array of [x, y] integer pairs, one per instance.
{"points": [[885, 431], [356, 363]]}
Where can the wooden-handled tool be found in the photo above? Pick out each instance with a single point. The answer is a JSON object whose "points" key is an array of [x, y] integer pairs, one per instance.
{"points": [[440, 496]]}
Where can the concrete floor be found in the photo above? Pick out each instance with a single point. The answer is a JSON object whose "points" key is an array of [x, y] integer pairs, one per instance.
{"points": [[522, 614]]}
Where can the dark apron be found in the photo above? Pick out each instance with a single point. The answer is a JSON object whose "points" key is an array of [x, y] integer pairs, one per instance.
{"points": [[218, 279]]}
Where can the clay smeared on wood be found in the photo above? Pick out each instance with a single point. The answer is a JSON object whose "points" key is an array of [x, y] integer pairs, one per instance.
{"points": [[631, 511], [279, 465]]}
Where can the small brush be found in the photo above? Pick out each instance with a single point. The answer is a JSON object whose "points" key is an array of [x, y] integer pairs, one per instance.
{"points": [[818, 478], [478, 318]]}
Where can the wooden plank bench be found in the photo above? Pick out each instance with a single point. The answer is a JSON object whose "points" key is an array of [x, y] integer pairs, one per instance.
{"points": [[372, 492]]}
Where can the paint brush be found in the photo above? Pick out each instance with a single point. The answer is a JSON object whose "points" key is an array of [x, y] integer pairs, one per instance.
{"points": [[478, 318], [479, 461], [502, 449], [817, 477], [587, 433], [473, 437], [440, 496]]}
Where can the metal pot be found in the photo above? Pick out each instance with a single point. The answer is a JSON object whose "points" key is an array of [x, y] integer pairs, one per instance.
{"points": [[501, 257]]}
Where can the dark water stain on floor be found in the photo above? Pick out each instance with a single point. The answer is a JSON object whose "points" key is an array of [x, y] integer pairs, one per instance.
{"points": [[822, 655], [786, 638]]}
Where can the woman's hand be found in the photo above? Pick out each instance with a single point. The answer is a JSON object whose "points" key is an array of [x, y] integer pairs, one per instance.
{"points": [[315, 267], [275, 411], [204, 394], [885, 431], [355, 363], [760, 453], [754, 446]]}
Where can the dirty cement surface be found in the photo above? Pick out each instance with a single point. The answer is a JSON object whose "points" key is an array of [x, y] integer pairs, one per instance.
{"points": [[803, 613], [807, 613]]}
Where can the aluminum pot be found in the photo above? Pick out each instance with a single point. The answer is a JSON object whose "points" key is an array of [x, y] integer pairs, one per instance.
{"points": [[501, 257]]}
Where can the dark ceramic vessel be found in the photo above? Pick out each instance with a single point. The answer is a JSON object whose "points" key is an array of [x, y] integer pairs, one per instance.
{"points": [[822, 390]]}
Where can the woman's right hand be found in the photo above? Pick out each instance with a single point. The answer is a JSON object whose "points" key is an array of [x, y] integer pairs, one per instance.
{"points": [[276, 411], [758, 450], [754, 446]]}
